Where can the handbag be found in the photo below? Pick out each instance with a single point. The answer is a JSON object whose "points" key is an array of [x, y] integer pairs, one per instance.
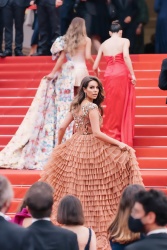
{"points": [[29, 20]]}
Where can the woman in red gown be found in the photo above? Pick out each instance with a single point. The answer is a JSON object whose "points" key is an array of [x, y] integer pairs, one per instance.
{"points": [[119, 81]]}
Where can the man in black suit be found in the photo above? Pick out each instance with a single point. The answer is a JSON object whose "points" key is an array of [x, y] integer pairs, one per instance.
{"points": [[127, 12], [66, 14], [149, 216], [12, 236], [39, 200], [13, 10], [49, 24], [77, 8]]}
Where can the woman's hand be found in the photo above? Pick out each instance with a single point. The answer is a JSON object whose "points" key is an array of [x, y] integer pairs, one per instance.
{"points": [[97, 72], [133, 79], [127, 19], [123, 146], [50, 76]]}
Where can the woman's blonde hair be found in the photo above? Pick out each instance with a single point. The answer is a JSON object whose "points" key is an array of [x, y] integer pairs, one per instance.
{"points": [[119, 231], [75, 35]]}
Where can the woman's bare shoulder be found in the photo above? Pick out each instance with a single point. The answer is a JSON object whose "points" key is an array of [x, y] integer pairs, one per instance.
{"points": [[106, 41], [88, 39], [125, 40]]}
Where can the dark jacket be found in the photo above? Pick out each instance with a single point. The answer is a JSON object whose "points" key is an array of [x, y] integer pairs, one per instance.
{"points": [[130, 8], [152, 242], [22, 3], [163, 76], [143, 15], [43, 2], [47, 236], [13, 236]]}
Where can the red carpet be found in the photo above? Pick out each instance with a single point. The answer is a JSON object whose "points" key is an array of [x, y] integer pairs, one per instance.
{"points": [[19, 79]]}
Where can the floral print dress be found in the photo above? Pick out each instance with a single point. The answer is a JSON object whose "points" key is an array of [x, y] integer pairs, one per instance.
{"points": [[36, 137]]}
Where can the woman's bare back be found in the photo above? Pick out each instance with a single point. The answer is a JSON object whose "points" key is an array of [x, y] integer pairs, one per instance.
{"points": [[113, 46], [80, 53], [82, 233]]}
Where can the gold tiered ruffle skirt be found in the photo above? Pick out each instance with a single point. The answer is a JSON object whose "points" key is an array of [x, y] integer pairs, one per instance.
{"points": [[95, 172]]}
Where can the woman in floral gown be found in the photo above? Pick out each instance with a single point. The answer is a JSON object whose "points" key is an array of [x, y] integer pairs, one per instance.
{"points": [[91, 165], [36, 137]]}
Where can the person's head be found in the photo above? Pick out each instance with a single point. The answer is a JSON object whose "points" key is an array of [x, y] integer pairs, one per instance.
{"points": [[118, 230], [90, 88], [6, 194], [39, 199], [23, 204], [70, 211], [115, 28], [75, 35], [149, 211]]}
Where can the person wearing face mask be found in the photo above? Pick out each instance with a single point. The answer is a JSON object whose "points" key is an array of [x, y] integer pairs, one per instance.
{"points": [[149, 216], [118, 232]]}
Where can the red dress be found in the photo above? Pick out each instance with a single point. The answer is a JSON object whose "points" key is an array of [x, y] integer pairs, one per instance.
{"points": [[119, 101]]}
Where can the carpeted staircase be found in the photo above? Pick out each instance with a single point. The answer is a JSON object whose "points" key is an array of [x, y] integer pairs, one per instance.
{"points": [[19, 80]]}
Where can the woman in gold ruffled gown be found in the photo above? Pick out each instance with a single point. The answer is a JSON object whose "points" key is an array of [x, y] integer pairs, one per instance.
{"points": [[91, 165]]}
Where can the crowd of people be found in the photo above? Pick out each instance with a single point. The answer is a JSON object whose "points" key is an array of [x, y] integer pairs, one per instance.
{"points": [[63, 135], [140, 222], [79, 132], [52, 19]]}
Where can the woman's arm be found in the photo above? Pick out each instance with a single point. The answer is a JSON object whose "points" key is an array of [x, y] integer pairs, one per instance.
{"points": [[93, 241], [69, 118], [98, 58], [94, 120], [88, 54], [128, 60], [57, 66]]}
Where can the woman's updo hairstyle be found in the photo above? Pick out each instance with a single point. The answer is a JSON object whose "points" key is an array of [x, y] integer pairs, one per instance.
{"points": [[115, 26]]}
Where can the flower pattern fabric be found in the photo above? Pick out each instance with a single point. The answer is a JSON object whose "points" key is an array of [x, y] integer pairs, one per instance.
{"points": [[36, 137]]}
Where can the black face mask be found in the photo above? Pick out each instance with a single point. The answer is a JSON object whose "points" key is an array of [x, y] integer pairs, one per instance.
{"points": [[135, 225]]}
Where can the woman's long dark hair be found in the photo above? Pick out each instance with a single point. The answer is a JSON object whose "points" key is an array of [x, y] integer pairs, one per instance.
{"points": [[81, 94]]}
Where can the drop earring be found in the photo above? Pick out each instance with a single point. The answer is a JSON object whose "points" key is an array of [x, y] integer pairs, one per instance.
{"points": [[85, 95]]}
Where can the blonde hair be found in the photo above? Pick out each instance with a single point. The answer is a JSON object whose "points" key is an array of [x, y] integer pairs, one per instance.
{"points": [[119, 231], [75, 35]]}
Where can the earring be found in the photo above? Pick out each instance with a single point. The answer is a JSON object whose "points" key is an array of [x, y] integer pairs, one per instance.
{"points": [[85, 95]]}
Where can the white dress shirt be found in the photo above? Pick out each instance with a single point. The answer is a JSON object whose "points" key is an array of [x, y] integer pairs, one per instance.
{"points": [[45, 218], [158, 231]]}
